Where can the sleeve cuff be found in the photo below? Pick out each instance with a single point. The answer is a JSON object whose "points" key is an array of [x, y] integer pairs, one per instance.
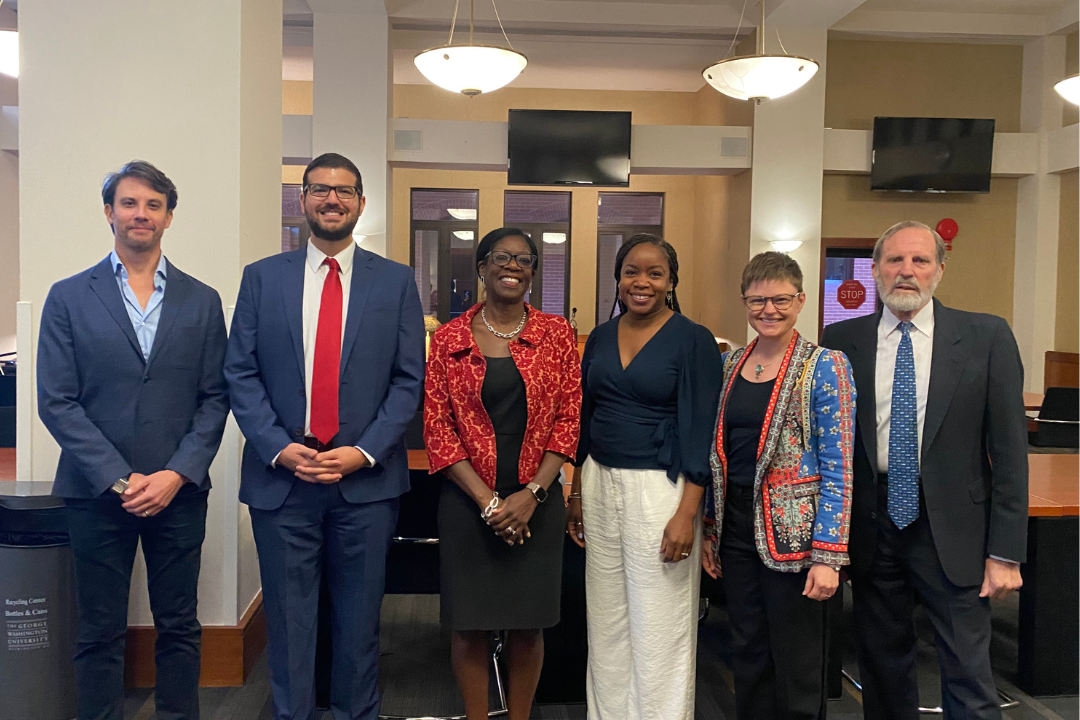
{"points": [[1004, 560], [273, 463], [371, 460]]}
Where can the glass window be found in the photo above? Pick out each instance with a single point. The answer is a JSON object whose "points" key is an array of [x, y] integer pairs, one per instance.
{"points": [[294, 227], [444, 229], [847, 264], [545, 218], [619, 217]]}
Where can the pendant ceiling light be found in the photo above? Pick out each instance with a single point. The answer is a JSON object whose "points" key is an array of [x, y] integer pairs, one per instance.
{"points": [[471, 69], [1069, 88], [760, 76]]}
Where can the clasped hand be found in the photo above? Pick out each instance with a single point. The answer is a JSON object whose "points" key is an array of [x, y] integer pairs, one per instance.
{"points": [[322, 467], [148, 495], [510, 520]]}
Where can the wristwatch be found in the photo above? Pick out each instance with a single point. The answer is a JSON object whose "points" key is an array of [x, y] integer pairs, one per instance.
{"points": [[538, 491]]}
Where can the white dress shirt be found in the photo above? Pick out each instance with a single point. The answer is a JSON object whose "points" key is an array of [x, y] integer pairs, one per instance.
{"points": [[315, 272], [888, 342]]}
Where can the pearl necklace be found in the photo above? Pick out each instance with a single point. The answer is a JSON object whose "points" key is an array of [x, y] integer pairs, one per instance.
{"points": [[496, 333]]}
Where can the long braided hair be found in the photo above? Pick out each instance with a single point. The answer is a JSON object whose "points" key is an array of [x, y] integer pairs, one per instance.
{"points": [[672, 301]]}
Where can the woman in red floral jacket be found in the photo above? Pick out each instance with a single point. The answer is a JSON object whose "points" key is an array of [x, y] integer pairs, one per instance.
{"points": [[501, 415]]}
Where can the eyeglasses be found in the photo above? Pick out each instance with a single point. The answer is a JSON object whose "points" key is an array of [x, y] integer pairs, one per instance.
{"points": [[757, 303], [502, 259], [344, 192]]}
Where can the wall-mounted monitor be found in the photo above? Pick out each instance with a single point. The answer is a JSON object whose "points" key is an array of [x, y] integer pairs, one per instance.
{"points": [[932, 154], [569, 147]]}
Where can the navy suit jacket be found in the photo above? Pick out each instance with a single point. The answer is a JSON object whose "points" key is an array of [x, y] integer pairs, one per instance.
{"points": [[382, 374], [111, 411]]}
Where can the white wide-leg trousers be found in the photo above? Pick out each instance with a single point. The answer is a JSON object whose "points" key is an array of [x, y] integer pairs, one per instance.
{"points": [[642, 612]]}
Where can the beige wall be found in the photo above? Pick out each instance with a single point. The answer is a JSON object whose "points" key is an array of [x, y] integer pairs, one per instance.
{"points": [[9, 214], [297, 97], [909, 79], [1070, 114], [867, 79], [1067, 325], [979, 270]]}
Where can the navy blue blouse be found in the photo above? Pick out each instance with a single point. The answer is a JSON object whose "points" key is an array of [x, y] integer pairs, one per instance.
{"points": [[660, 412]]}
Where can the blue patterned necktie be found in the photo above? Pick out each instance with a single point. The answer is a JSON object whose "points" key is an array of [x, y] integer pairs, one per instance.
{"points": [[904, 436]]}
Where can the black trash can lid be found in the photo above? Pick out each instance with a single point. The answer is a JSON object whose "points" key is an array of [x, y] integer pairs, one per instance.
{"points": [[31, 502]]}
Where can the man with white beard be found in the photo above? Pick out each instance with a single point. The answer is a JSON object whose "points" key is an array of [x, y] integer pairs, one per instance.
{"points": [[940, 497]]}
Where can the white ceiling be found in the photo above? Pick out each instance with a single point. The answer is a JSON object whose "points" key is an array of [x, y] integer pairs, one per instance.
{"points": [[664, 44]]}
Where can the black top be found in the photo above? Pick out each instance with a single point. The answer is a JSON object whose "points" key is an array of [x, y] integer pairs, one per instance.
{"points": [[503, 395], [746, 406], [660, 412]]}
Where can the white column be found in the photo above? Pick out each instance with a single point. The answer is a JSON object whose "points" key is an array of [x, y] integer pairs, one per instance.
{"points": [[1037, 210], [789, 143], [352, 100], [9, 206], [195, 89]]}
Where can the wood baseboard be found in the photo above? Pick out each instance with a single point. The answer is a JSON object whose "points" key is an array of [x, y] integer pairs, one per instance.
{"points": [[228, 652]]}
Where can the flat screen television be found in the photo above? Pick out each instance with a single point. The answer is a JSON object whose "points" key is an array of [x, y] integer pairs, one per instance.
{"points": [[937, 155], [569, 147]]}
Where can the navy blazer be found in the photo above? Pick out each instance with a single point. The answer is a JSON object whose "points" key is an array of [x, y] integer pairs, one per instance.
{"points": [[111, 411], [382, 374]]}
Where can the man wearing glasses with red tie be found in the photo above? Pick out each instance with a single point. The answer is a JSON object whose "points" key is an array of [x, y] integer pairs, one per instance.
{"points": [[325, 368]]}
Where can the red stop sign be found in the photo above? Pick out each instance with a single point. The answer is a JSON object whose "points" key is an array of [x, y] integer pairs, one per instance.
{"points": [[851, 294]]}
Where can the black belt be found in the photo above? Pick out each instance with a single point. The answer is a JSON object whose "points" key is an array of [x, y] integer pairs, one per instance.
{"points": [[317, 446]]}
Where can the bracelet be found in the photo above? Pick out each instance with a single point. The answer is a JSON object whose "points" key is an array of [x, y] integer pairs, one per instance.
{"points": [[485, 514], [572, 496]]}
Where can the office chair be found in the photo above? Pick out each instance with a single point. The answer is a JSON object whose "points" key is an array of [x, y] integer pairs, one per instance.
{"points": [[1058, 422]]}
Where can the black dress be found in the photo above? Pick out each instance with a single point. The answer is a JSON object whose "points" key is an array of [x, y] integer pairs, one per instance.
{"points": [[487, 584]]}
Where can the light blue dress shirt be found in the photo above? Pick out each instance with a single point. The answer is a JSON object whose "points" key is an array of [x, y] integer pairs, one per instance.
{"points": [[145, 321]]}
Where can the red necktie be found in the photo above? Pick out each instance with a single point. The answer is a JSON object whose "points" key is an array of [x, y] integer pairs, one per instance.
{"points": [[324, 374]]}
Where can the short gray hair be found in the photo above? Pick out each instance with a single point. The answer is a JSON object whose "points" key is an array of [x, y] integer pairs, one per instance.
{"points": [[939, 244]]}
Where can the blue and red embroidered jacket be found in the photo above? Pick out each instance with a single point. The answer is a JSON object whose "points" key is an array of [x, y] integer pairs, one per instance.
{"points": [[802, 487]]}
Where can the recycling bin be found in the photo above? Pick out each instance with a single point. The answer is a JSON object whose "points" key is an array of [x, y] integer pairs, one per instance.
{"points": [[37, 592]]}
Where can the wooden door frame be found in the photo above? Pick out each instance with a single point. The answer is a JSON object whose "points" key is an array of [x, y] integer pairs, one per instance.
{"points": [[835, 244]]}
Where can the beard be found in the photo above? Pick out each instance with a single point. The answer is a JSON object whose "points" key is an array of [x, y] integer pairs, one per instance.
{"points": [[905, 302], [330, 235]]}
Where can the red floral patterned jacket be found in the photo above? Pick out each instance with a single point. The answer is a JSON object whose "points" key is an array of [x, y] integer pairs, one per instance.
{"points": [[456, 425]]}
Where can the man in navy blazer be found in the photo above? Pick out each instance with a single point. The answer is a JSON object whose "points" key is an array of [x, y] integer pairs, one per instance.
{"points": [[325, 369], [130, 385]]}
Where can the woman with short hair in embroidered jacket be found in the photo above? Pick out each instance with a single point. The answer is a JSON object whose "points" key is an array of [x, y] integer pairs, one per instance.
{"points": [[781, 497], [502, 404]]}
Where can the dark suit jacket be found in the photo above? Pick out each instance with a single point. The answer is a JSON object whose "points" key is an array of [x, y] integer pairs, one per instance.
{"points": [[974, 466], [382, 374], [114, 413]]}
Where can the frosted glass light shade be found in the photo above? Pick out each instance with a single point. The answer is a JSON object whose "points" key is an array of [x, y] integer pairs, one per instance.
{"points": [[9, 53], [553, 238], [462, 213], [785, 246], [1069, 88], [470, 69], [751, 77]]}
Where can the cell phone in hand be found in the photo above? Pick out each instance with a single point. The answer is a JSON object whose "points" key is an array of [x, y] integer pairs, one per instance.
{"points": [[120, 486]]}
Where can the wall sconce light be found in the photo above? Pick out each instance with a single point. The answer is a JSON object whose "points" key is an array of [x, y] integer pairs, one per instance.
{"points": [[785, 246]]}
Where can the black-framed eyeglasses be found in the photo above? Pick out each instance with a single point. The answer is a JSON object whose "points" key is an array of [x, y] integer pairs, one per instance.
{"points": [[344, 192], [502, 259], [757, 303]]}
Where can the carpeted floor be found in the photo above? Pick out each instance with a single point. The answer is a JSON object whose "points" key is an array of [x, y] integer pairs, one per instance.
{"points": [[417, 681]]}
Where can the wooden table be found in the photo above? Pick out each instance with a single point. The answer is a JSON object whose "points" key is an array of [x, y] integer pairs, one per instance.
{"points": [[1032, 401], [1047, 638], [1047, 646]]}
